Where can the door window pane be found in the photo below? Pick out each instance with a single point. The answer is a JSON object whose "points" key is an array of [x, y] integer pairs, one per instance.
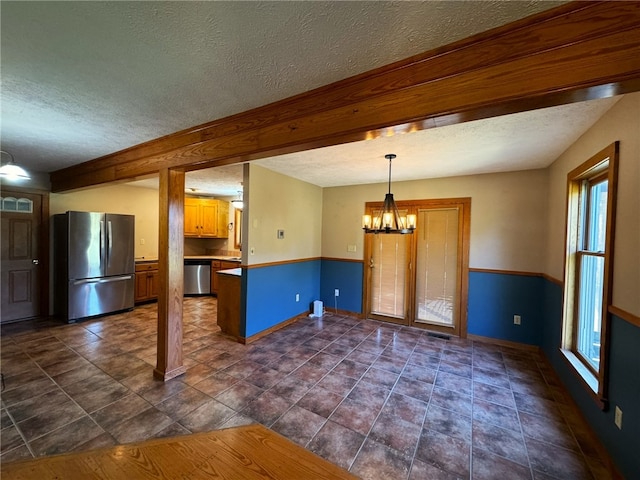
{"points": [[437, 266], [389, 260]]}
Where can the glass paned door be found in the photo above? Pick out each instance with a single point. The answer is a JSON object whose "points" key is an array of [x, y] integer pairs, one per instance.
{"points": [[436, 293]]}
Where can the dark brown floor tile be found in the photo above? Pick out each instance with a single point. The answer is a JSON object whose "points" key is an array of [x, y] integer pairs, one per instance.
{"points": [[30, 374], [38, 404], [309, 373], [396, 433], [325, 360], [377, 376], [142, 426], [173, 430], [376, 461], [65, 365], [337, 383], [536, 405], [20, 453], [183, 403], [5, 420], [422, 471], [122, 366], [101, 441], [320, 401], [47, 421], [417, 372], [299, 425], [291, 388], [93, 400], [238, 396], [490, 377], [267, 408], [10, 438], [487, 466], [238, 420], [503, 442], [406, 408], [207, 417], [448, 422], [445, 452], [493, 394], [27, 391], [531, 386], [67, 437], [216, 384], [361, 356], [453, 382], [455, 368], [496, 414], [373, 395], [98, 350], [557, 462], [94, 382], [197, 373], [394, 365], [160, 391], [76, 374], [452, 400], [349, 368], [356, 416], [242, 369], [413, 388], [337, 349], [337, 444], [457, 357], [548, 430]]}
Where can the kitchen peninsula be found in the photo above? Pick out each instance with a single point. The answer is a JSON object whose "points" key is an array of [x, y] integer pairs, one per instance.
{"points": [[147, 274]]}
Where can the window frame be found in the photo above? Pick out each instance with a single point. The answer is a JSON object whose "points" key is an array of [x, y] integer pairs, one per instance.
{"points": [[600, 167]]}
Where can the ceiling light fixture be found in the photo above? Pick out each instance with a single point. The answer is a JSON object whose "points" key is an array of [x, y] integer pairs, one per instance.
{"points": [[11, 171], [389, 220], [237, 202]]}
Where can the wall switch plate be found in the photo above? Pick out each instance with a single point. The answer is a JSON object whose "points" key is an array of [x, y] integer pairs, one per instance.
{"points": [[351, 248], [618, 418], [297, 297], [516, 319], [336, 293], [142, 241]]}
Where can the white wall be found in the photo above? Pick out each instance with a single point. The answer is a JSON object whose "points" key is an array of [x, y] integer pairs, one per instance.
{"points": [[508, 216], [141, 202], [621, 122], [277, 202]]}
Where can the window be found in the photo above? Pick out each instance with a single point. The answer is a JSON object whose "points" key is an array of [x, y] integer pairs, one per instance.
{"points": [[588, 268]]}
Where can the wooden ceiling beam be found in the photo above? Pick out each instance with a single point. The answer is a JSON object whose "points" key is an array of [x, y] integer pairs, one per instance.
{"points": [[576, 52]]}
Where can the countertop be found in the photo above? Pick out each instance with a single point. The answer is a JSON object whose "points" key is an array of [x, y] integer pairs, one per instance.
{"points": [[234, 272], [192, 257]]}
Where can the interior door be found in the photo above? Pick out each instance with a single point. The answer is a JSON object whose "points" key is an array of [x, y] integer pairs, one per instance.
{"points": [[22, 264], [421, 279]]}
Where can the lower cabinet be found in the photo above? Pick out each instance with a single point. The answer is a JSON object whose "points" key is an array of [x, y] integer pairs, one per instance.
{"points": [[216, 266], [147, 278]]}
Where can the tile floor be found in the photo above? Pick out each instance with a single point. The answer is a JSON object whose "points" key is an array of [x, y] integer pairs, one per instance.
{"points": [[383, 401]]}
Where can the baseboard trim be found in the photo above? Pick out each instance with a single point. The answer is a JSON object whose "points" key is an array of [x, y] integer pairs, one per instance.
{"points": [[277, 326], [503, 343]]}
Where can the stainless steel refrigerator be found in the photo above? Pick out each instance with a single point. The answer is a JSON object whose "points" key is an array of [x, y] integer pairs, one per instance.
{"points": [[94, 264]]}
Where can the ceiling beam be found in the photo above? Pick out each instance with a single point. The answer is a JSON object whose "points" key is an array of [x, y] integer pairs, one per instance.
{"points": [[576, 52]]}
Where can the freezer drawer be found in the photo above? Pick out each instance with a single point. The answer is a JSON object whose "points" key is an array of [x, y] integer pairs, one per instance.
{"points": [[97, 296], [197, 278]]}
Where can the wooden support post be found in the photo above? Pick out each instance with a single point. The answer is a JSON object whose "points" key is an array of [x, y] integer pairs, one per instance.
{"points": [[171, 266]]}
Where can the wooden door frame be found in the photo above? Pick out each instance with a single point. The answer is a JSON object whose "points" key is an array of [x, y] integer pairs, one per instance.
{"points": [[43, 244], [464, 204]]}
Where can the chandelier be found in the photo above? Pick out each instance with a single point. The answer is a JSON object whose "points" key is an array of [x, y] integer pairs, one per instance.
{"points": [[389, 220]]}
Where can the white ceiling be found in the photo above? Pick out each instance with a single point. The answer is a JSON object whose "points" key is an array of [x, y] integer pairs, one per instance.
{"points": [[85, 79]]}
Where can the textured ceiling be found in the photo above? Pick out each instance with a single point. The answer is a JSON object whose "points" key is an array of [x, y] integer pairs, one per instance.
{"points": [[85, 79]]}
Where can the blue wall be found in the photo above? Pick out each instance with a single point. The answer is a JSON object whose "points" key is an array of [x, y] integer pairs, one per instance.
{"points": [[494, 298], [270, 294], [346, 276], [624, 383]]}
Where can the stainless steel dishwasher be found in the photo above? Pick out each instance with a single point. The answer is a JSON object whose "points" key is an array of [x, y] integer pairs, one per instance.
{"points": [[197, 277]]}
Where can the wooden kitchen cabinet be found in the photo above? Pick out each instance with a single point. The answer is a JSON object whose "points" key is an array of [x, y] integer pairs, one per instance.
{"points": [[206, 218], [147, 278], [216, 266], [229, 303]]}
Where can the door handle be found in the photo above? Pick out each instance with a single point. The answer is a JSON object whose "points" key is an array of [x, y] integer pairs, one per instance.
{"points": [[35, 261]]}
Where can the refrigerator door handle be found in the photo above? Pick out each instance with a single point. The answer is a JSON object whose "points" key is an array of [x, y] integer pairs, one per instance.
{"points": [[103, 280], [109, 239], [102, 254]]}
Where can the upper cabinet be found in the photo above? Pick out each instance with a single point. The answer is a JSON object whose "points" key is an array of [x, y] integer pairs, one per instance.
{"points": [[206, 218]]}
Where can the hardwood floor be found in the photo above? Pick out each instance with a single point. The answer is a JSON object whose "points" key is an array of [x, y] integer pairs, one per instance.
{"points": [[246, 452]]}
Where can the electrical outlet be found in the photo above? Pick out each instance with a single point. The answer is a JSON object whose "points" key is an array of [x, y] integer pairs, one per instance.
{"points": [[516, 319], [336, 293], [297, 297], [618, 418]]}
